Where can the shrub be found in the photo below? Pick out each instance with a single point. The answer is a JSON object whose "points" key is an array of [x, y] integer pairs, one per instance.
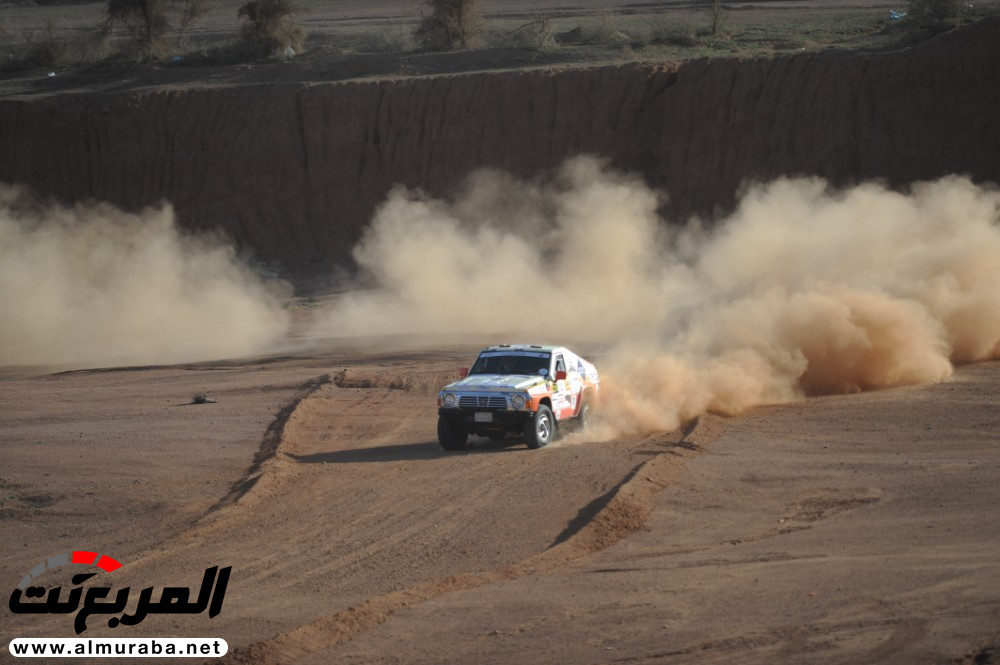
{"points": [[538, 35], [270, 26], [602, 29], [46, 49], [391, 40], [452, 24], [675, 32], [683, 35], [934, 13], [89, 45]]}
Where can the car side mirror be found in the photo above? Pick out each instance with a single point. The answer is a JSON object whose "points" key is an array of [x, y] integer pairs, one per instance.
{"points": [[463, 372], [543, 372], [560, 375]]}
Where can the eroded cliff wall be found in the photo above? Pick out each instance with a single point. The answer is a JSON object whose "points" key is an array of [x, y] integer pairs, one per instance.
{"points": [[294, 171]]}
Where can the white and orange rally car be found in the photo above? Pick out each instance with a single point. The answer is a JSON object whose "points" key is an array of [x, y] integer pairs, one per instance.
{"points": [[522, 389]]}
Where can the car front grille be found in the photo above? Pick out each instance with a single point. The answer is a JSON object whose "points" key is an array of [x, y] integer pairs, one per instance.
{"points": [[482, 402]]}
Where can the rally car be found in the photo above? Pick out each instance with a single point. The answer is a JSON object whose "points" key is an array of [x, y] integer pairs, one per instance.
{"points": [[519, 389]]}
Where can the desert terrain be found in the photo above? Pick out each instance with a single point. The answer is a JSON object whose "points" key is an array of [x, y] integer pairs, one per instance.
{"points": [[231, 293], [855, 528]]}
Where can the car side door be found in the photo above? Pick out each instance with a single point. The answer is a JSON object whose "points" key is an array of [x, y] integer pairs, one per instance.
{"points": [[564, 398]]}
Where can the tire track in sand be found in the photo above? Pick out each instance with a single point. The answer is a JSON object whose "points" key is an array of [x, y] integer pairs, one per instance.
{"points": [[620, 512]]}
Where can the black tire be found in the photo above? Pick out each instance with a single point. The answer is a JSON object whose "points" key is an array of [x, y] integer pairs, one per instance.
{"points": [[583, 419], [540, 430], [451, 435]]}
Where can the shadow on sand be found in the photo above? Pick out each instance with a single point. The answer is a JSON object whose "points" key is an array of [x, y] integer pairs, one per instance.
{"points": [[429, 450]]}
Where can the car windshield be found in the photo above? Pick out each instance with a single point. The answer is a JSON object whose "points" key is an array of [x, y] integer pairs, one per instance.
{"points": [[510, 364]]}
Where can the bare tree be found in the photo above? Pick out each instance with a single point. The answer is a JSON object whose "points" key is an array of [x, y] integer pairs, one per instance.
{"points": [[716, 15], [6, 44], [146, 21], [192, 11], [452, 24]]}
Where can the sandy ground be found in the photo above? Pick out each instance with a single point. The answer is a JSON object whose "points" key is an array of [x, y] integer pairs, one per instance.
{"points": [[844, 529]]}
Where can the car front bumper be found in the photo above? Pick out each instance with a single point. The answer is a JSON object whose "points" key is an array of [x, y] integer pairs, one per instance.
{"points": [[499, 419]]}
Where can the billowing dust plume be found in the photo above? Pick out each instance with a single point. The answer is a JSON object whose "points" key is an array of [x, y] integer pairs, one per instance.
{"points": [[804, 290], [92, 285]]}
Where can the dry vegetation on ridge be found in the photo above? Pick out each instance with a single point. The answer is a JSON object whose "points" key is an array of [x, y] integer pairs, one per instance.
{"points": [[395, 37]]}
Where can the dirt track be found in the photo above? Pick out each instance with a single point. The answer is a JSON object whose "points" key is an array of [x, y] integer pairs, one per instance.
{"points": [[848, 529]]}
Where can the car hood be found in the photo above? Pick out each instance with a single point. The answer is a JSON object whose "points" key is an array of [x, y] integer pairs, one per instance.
{"points": [[495, 382]]}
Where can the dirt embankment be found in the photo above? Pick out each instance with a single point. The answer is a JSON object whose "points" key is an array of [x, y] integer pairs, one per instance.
{"points": [[295, 170]]}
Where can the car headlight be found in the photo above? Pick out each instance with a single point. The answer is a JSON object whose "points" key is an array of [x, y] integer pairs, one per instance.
{"points": [[449, 399], [517, 401]]}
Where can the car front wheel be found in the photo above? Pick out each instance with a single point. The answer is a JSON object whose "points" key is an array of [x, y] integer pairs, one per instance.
{"points": [[451, 435], [540, 430]]}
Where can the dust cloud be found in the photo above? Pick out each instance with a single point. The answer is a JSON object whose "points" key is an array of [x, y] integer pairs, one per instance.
{"points": [[92, 285], [803, 290]]}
